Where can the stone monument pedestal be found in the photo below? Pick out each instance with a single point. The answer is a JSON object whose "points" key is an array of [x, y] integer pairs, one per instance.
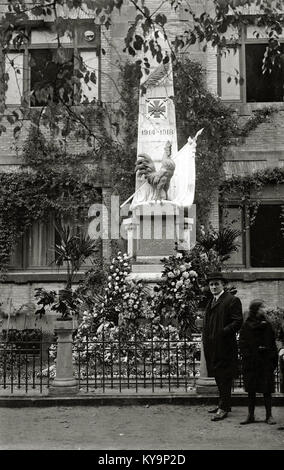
{"points": [[153, 232]]}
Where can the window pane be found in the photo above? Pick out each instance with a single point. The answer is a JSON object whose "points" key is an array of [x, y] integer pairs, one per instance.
{"points": [[230, 66], [16, 260], [266, 239], [40, 241], [44, 36], [14, 67], [262, 32], [232, 217], [91, 62], [262, 87], [51, 75]]}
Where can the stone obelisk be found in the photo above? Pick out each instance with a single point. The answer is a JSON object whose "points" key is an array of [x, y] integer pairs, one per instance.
{"points": [[159, 222], [156, 120]]}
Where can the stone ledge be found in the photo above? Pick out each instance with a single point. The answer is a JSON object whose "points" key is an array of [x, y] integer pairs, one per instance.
{"points": [[25, 277], [146, 276], [250, 276], [130, 399]]}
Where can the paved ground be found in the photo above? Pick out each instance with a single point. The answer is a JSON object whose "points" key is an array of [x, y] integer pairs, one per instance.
{"points": [[157, 427]]}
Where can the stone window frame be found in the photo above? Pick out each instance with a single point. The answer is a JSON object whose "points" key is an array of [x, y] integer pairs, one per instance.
{"points": [[242, 42], [26, 254], [245, 219], [75, 45]]}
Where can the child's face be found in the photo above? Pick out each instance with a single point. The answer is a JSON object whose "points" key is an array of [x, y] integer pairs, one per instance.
{"points": [[261, 311]]}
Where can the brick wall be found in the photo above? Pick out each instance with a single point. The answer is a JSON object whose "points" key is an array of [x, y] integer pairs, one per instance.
{"points": [[13, 296], [214, 210], [264, 147], [271, 291]]}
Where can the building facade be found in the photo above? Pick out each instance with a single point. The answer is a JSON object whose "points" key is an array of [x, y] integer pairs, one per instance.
{"points": [[257, 269]]}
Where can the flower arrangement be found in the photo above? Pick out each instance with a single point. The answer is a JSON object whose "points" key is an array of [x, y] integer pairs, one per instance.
{"points": [[114, 298], [276, 318], [175, 300], [150, 349], [133, 329]]}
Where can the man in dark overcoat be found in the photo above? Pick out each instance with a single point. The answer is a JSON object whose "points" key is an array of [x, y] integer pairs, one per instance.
{"points": [[223, 319], [280, 345]]}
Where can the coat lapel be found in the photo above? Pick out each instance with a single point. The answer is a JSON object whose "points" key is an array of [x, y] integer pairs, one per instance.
{"points": [[218, 301]]}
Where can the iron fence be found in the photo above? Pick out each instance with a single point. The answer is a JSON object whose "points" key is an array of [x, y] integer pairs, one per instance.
{"points": [[152, 364], [25, 366], [156, 365]]}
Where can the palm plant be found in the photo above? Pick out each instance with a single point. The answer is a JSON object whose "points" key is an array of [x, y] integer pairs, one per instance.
{"points": [[209, 254], [223, 243], [74, 248]]}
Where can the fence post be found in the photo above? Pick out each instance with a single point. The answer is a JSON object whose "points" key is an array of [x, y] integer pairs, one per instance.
{"points": [[281, 374], [64, 382], [205, 385]]}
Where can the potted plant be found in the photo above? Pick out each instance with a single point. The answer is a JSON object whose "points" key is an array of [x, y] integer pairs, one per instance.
{"points": [[74, 248]]}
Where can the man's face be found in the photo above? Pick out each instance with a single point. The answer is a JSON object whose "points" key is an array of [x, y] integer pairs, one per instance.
{"points": [[216, 286]]}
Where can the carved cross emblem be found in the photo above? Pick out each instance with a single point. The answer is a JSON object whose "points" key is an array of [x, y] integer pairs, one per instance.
{"points": [[157, 108]]}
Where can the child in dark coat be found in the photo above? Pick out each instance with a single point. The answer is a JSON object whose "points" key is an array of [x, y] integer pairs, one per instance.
{"points": [[259, 359]]}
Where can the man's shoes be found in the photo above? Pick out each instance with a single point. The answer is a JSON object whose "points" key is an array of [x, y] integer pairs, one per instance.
{"points": [[213, 410], [270, 420], [221, 414], [250, 419]]}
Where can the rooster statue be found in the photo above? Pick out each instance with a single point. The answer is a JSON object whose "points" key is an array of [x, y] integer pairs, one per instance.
{"points": [[158, 179]]}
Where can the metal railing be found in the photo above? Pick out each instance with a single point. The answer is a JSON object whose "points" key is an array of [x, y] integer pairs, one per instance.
{"points": [[151, 364], [25, 366], [102, 365]]}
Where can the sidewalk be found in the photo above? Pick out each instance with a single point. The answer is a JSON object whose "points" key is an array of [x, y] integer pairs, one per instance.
{"points": [[157, 427], [109, 397]]}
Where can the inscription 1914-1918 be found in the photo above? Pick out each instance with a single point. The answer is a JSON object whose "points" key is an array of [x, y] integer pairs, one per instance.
{"points": [[157, 132]]}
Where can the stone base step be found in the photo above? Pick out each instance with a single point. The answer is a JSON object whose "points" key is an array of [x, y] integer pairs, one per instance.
{"points": [[147, 268]]}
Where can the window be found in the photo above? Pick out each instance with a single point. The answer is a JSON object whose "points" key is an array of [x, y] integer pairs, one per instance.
{"points": [[261, 87], [261, 244], [42, 72], [240, 77], [266, 238], [233, 218], [14, 67], [229, 76], [50, 78], [36, 248]]}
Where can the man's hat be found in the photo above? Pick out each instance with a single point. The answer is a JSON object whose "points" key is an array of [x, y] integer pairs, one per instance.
{"points": [[216, 275]]}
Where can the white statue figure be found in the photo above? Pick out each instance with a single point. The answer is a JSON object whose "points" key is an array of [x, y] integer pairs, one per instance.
{"points": [[182, 186], [175, 181]]}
